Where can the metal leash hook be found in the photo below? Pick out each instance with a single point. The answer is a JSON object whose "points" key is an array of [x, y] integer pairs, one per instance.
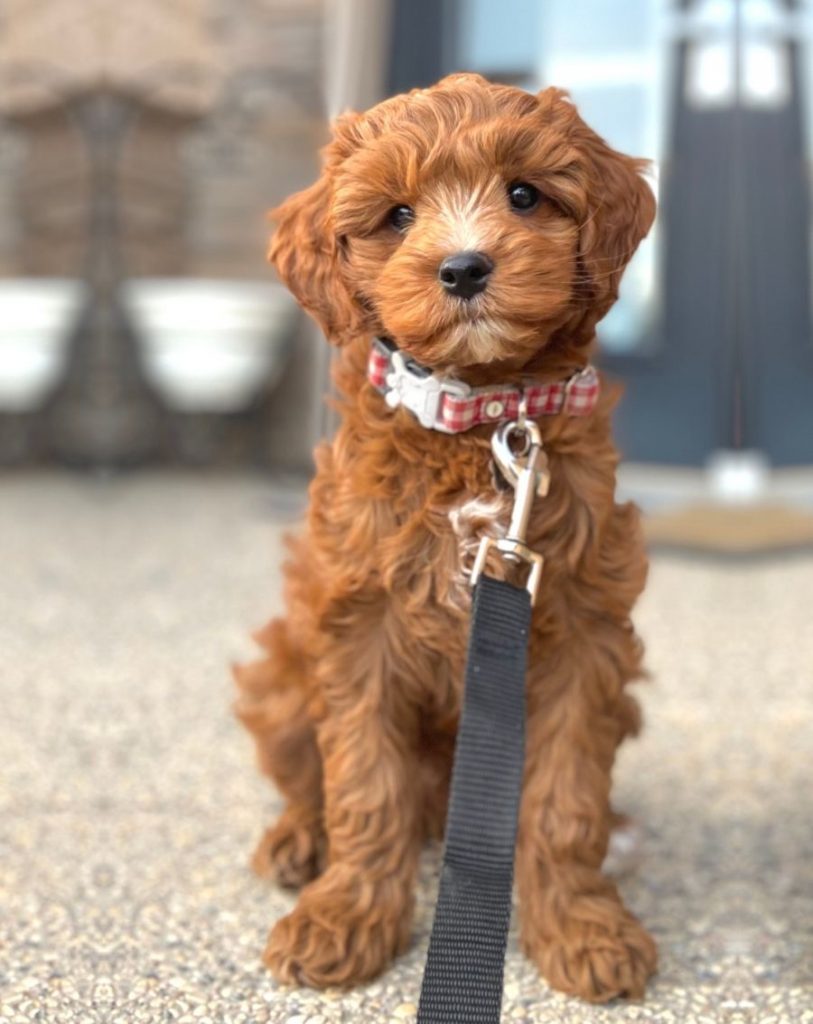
{"points": [[526, 470]]}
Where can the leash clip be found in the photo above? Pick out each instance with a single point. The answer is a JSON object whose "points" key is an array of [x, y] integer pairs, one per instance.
{"points": [[526, 470]]}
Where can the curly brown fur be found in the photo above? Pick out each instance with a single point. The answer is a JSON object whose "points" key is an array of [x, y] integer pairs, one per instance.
{"points": [[355, 704]]}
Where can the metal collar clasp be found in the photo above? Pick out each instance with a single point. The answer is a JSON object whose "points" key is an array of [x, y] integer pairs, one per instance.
{"points": [[420, 392]]}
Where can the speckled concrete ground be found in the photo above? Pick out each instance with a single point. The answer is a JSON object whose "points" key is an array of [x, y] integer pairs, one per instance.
{"points": [[129, 803]]}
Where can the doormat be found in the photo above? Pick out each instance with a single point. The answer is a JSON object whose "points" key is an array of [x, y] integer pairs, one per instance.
{"points": [[731, 529]]}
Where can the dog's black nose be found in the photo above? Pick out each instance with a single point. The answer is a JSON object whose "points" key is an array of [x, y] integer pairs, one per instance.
{"points": [[465, 274]]}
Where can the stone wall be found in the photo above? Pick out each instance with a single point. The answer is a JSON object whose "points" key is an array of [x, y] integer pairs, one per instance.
{"points": [[194, 178]]}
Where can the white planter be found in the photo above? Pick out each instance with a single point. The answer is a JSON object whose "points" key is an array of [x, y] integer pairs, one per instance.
{"points": [[37, 316], [210, 345]]}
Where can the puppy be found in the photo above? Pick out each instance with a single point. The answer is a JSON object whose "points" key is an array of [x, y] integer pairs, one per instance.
{"points": [[479, 233]]}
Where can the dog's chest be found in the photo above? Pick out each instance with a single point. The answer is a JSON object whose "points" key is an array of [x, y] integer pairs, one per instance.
{"points": [[455, 517], [406, 511]]}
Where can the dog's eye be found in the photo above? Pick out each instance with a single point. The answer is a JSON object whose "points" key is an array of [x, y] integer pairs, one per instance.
{"points": [[523, 197], [400, 217]]}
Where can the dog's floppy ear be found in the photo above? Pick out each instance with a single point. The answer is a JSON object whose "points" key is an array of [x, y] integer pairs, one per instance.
{"points": [[307, 253], [620, 218], [620, 212]]}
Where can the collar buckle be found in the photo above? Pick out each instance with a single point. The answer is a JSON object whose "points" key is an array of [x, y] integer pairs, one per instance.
{"points": [[420, 392]]}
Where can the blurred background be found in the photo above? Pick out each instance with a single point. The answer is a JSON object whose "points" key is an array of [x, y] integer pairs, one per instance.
{"points": [[160, 397]]}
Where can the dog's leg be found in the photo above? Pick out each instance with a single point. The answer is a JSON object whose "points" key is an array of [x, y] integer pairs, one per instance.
{"points": [[356, 917], [273, 706], [573, 923]]}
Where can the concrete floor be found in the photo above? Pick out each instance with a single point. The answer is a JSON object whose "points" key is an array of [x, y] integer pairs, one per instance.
{"points": [[129, 802]]}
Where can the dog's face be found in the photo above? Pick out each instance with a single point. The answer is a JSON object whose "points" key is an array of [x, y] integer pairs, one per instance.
{"points": [[472, 223]]}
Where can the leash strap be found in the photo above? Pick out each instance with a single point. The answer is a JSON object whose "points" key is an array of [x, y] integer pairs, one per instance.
{"points": [[463, 977]]}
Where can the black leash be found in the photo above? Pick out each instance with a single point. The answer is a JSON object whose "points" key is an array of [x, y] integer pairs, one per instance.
{"points": [[463, 977]]}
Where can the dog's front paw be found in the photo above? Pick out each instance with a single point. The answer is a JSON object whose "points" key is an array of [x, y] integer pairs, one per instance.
{"points": [[604, 953], [291, 852], [335, 939], [303, 951]]}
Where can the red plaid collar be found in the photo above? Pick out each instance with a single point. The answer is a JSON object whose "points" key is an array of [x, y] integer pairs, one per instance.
{"points": [[451, 406]]}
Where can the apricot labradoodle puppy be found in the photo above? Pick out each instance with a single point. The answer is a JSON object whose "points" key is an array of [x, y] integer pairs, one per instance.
{"points": [[459, 248]]}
